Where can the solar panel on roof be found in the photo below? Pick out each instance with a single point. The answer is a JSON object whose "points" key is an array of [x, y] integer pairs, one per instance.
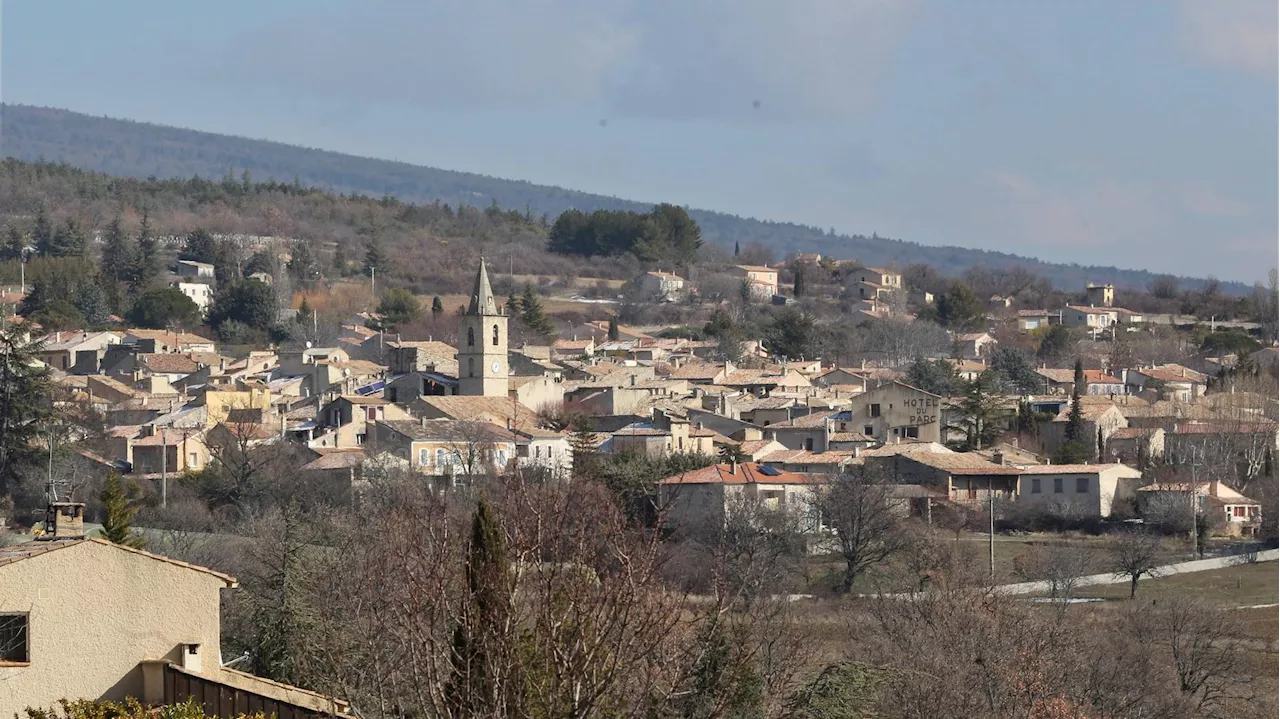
{"points": [[770, 471]]}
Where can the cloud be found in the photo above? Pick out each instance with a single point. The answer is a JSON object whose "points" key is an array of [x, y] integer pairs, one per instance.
{"points": [[1235, 34], [683, 59]]}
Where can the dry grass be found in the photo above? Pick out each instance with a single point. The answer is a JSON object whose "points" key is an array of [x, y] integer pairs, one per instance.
{"points": [[1244, 585]]}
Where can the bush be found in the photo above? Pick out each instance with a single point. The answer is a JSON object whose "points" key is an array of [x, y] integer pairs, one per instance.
{"points": [[129, 709]]}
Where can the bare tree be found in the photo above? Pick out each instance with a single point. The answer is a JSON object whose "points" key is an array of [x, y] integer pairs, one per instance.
{"points": [[1059, 564], [860, 512], [1135, 553]]}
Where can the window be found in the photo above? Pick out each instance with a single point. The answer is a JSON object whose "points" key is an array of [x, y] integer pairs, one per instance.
{"points": [[808, 444], [471, 337], [1238, 511], [1057, 485], [868, 430], [502, 459], [440, 460], [471, 366], [391, 394], [1082, 485], [371, 414], [495, 335], [913, 432], [1035, 486], [13, 638], [875, 410], [537, 452], [193, 460], [424, 456]]}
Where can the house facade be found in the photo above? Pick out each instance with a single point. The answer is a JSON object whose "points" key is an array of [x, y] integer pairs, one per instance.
{"points": [[1086, 490], [896, 411]]}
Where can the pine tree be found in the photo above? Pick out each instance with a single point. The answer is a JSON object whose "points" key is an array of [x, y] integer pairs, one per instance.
{"points": [[437, 308], [15, 244], [513, 305], [339, 265], [42, 233], [68, 241], [117, 255], [24, 411], [118, 513], [302, 262], [613, 329], [532, 315], [92, 302], [375, 257]]}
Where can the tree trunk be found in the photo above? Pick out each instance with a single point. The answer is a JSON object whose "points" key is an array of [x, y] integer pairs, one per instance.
{"points": [[1133, 586], [850, 574]]}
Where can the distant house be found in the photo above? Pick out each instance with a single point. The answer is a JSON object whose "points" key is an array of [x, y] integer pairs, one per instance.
{"points": [[1136, 445], [1168, 381], [1082, 489], [702, 499], [1097, 382], [197, 292], [77, 352], [880, 277], [963, 477], [565, 348], [446, 448], [1100, 295], [999, 302], [974, 345], [1029, 320], [1092, 318], [1241, 513], [1103, 417], [896, 411], [191, 268], [665, 286], [763, 281]]}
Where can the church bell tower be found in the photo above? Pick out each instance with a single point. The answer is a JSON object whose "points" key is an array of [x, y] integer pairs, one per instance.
{"points": [[482, 343]]}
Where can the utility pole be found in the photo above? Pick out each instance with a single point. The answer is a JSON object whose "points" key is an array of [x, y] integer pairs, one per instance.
{"points": [[991, 534], [373, 282], [164, 467]]}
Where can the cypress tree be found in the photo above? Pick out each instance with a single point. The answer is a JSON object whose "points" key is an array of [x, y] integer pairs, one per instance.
{"points": [[613, 329], [479, 638], [736, 249], [437, 308], [146, 261], [797, 288], [1081, 387], [118, 513]]}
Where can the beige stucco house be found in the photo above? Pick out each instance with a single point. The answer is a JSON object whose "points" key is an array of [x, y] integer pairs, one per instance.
{"points": [[1082, 489], [88, 619]]}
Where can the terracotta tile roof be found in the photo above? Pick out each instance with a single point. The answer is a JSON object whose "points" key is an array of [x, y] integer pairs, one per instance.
{"points": [[757, 268], [18, 552], [697, 370], [168, 363], [1132, 432], [1068, 376], [342, 459], [448, 430], [961, 463], [1072, 468], [1172, 373], [1225, 428], [747, 473]]}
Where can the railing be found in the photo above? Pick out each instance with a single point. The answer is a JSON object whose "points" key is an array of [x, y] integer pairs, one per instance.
{"points": [[222, 700]]}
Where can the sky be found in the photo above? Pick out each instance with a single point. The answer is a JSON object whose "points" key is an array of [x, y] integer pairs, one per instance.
{"points": [[1140, 134]]}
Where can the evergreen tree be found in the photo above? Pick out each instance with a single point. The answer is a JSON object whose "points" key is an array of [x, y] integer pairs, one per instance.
{"points": [[146, 261], [1081, 387], [163, 309], [91, 300], [957, 309], [737, 250], [1102, 446], [936, 376], [513, 305], [24, 409], [118, 512], [339, 266], [613, 329], [398, 307], [250, 302], [68, 241], [117, 255], [302, 262], [1075, 446], [481, 634], [978, 412], [375, 257], [797, 287], [1017, 370], [15, 244], [42, 233], [437, 308], [304, 311], [532, 315], [200, 246]]}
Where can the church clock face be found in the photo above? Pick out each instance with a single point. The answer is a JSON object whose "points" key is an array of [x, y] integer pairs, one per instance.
{"points": [[495, 367]]}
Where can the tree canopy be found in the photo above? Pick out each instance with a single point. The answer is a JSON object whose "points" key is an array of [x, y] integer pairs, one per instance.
{"points": [[664, 234]]}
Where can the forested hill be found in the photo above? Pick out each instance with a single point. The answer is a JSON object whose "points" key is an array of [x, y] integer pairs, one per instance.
{"points": [[136, 149]]}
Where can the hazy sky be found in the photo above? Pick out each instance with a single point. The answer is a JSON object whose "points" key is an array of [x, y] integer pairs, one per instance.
{"points": [[1140, 134]]}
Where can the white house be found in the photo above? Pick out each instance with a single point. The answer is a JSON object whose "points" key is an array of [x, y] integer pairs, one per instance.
{"points": [[198, 292]]}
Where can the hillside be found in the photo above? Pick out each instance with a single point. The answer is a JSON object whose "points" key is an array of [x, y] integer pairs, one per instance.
{"points": [[136, 149]]}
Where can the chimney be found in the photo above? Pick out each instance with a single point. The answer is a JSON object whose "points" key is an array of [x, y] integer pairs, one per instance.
{"points": [[998, 458], [63, 520]]}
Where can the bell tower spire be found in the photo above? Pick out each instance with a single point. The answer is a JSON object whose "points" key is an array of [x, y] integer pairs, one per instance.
{"points": [[482, 343]]}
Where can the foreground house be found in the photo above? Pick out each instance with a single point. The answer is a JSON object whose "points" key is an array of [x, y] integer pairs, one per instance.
{"points": [[85, 618]]}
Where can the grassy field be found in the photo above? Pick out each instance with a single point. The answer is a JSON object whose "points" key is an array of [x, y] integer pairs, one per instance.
{"points": [[1244, 585]]}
